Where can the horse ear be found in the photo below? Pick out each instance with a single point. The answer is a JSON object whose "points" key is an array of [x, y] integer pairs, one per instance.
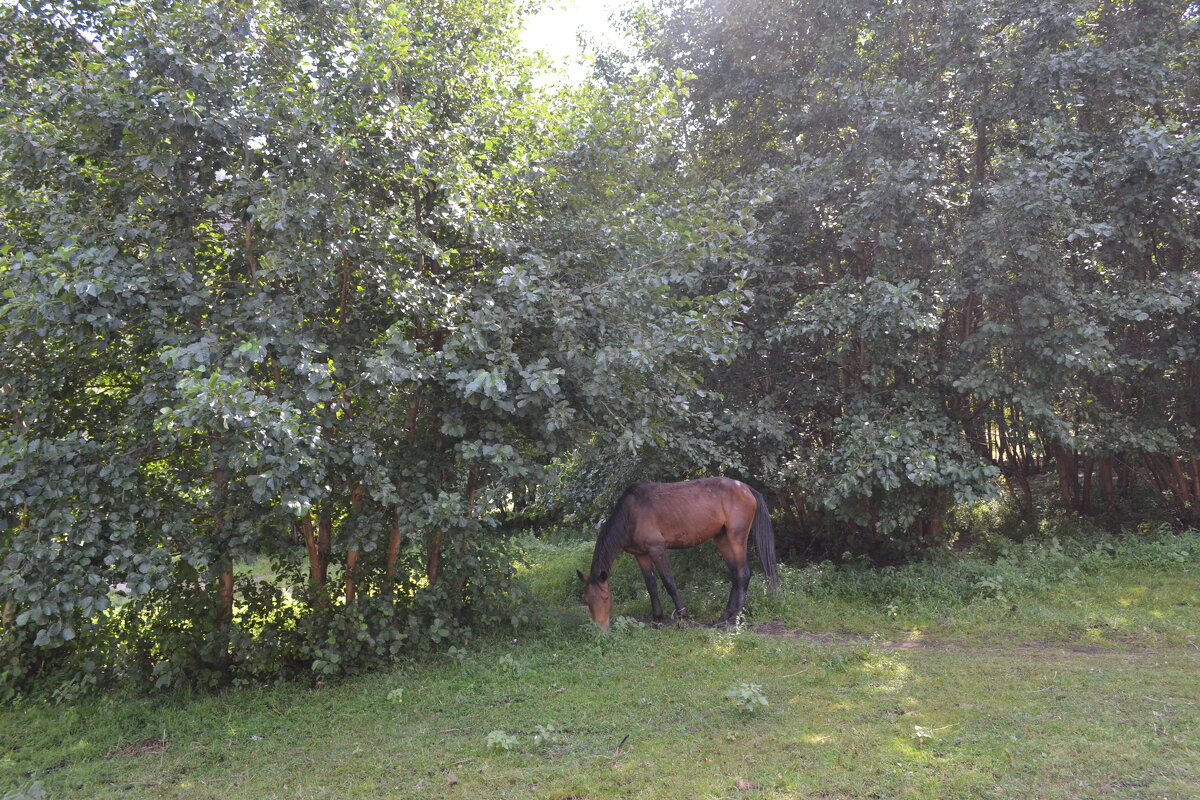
{"points": [[602, 577], [581, 576]]}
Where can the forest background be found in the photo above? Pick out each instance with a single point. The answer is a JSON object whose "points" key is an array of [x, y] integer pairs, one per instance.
{"points": [[306, 304]]}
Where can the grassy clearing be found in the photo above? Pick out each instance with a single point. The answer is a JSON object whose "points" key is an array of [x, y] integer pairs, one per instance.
{"points": [[1092, 590], [1052, 683]]}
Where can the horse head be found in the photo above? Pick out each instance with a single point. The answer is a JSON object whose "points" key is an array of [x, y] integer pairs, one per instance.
{"points": [[598, 597]]}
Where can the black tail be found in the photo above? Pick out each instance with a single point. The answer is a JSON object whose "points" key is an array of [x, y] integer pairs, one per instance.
{"points": [[764, 541]]}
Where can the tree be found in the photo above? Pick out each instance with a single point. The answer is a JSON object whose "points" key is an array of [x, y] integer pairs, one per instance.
{"points": [[301, 282], [980, 256]]}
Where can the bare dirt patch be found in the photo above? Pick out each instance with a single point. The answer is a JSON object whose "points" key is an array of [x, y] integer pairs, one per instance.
{"points": [[144, 747]]}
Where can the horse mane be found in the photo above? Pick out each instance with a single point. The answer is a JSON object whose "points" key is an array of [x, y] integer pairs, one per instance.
{"points": [[613, 536]]}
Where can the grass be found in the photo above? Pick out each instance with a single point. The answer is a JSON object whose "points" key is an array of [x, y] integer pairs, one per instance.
{"points": [[1092, 590], [1054, 671]]}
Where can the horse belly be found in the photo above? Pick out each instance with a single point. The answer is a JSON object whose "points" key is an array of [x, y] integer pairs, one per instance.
{"points": [[691, 525]]}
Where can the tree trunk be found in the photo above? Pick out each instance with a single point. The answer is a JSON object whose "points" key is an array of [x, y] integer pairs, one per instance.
{"points": [[396, 535], [224, 615], [433, 558], [1085, 494], [1196, 484], [1167, 476], [225, 593], [356, 498], [1019, 477], [395, 540], [316, 567], [1068, 476], [1105, 473], [351, 563], [1154, 479], [1189, 501], [472, 487], [324, 543]]}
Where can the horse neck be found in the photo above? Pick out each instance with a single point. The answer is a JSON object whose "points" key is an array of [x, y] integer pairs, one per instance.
{"points": [[613, 537]]}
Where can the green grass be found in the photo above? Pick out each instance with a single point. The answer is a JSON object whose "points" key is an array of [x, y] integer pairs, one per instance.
{"points": [[1072, 676], [1096, 590]]}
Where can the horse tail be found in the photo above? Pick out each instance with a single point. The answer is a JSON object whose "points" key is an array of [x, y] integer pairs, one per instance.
{"points": [[764, 541]]}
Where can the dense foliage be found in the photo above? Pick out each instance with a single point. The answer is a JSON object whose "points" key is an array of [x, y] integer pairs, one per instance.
{"points": [[301, 298], [981, 256], [312, 288]]}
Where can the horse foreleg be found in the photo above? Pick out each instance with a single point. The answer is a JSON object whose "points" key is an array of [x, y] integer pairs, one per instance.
{"points": [[651, 585], [664, 571]]}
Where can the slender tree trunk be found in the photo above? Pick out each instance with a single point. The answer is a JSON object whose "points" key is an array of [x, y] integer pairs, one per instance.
{"points": [[1106, 483], [316, 566], [472, 487], [1022, 481], [1067, 475], [224, 615], [433, 548], [1013, 466], [1085, 493], [395, 540], [1152, 476], [1123, 476], [351, 563], [1196, 483], [324, 542], [396, 535], [935, 524], [433, 558], [356, 498], [982, 155], [1189, 501], [225, 593], [416, 198], [1166, 475]]}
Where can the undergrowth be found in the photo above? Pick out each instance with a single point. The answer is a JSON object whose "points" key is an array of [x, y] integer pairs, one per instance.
{"points": [[1011, 569]]}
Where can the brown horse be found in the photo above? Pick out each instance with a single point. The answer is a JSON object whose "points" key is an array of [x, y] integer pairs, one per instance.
{"points": [[651, 518]]}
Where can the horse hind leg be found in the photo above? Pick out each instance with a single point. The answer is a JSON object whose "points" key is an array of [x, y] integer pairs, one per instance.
{"points": [[659, 557], [647, 567], [733, 551]]}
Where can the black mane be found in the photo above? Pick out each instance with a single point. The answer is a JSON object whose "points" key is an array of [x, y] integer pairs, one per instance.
{"points": [[613, 536]]}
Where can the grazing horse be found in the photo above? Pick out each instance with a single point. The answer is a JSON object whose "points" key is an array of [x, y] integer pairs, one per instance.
{"points": [[651, 518]]}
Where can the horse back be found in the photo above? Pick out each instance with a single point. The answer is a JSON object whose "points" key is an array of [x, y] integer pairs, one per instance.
{"points": [[688, 513]]}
